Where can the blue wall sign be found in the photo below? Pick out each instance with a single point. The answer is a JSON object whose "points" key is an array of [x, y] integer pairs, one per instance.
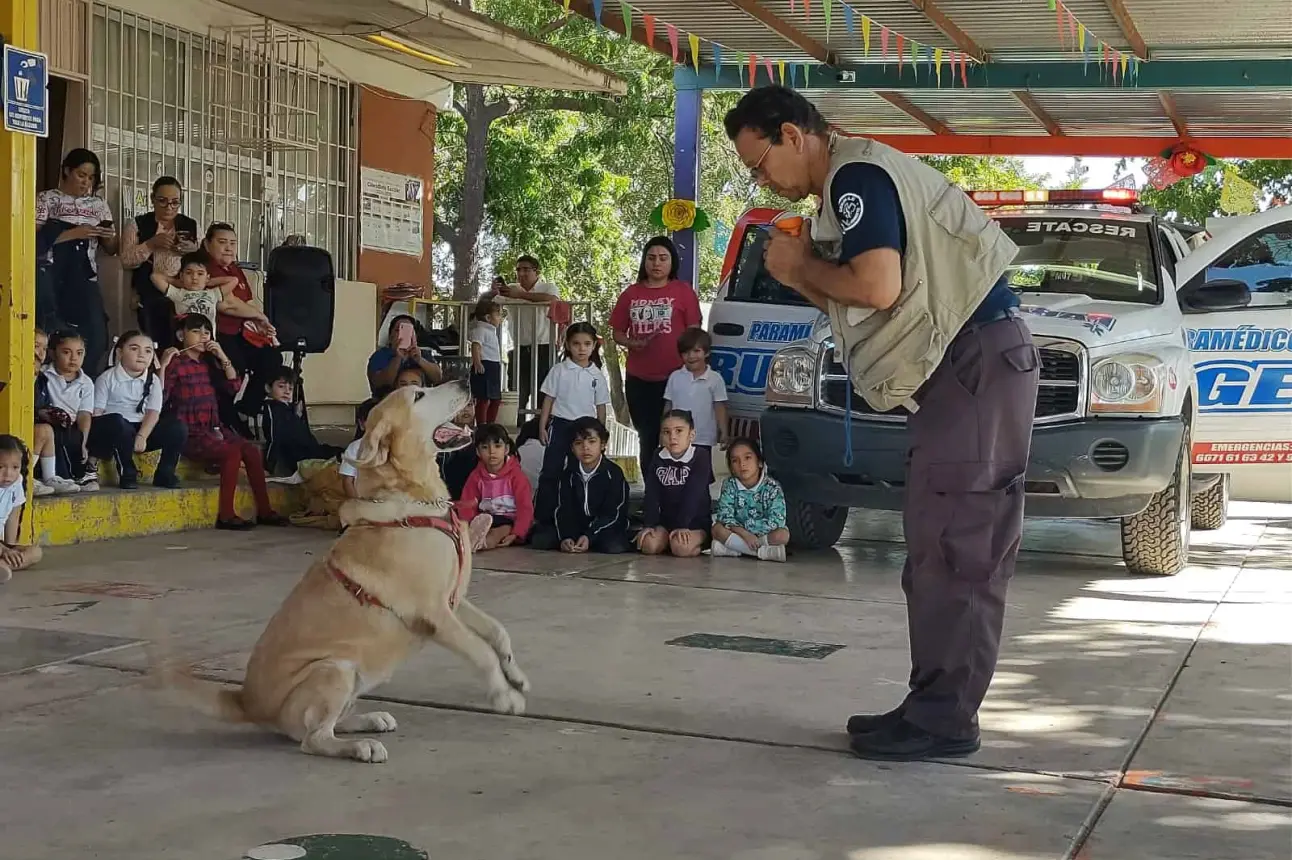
{"points": [[26, 91]]}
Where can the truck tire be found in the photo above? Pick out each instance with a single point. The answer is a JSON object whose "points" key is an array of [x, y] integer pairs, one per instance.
{"points": [[1211, 506], [1156, 540], [814, 526]]}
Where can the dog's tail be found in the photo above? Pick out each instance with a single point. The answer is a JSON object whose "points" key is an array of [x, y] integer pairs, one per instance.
{"points": [[177, 679]]}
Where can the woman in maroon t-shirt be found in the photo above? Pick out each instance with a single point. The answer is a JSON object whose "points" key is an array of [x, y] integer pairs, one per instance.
{"points": [[251, 350], [648, 319]]}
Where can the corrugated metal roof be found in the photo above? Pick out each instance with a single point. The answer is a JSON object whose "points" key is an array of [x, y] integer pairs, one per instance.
{"points": [[856, 110], [1255, 114], [1168, 23], [981, 112], [1006, 28]]}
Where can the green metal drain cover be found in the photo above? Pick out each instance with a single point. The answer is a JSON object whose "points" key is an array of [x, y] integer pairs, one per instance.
{"points": [[757, 645], [344, 846]]}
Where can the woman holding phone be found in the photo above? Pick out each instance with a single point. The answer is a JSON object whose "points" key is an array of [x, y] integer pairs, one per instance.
{"points": [[78, 223], [401, 352], [155, 242]]}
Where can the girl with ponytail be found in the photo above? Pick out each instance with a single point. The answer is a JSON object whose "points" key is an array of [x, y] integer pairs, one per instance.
{"points": [[14, 463], [127, 414]]}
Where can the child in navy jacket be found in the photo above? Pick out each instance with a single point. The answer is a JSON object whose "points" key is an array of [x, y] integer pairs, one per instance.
{"points": [[592, 501], [678, 512]]}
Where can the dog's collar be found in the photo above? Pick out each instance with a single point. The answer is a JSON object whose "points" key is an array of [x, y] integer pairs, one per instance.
{"points": [[450, 525]]}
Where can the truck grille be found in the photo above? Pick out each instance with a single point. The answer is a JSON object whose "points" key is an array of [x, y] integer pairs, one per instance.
{"points": [[1060, 396]]}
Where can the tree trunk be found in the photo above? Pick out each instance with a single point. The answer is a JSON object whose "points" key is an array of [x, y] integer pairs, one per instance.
{"points": [[478, 116], [614, 371]]}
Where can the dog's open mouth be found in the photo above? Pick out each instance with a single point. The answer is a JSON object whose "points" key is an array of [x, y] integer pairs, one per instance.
{"points": [[452, 437]]}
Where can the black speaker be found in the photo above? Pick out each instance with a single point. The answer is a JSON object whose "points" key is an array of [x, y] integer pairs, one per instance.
{"points": [[300, 297]]}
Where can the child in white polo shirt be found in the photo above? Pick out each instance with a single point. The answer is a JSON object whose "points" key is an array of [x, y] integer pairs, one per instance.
{"points": [[698, 389], [127, 415], [576, 388], [65, 401]]}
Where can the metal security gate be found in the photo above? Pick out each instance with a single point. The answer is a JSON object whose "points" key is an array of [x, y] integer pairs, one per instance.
{"points": [[256, 134]]}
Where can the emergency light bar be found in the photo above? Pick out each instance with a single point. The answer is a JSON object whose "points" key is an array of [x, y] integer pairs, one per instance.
{"points": [[1079, 195]]}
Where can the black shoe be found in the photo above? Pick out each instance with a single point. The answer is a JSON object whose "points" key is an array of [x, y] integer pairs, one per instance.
{"points": [[129, 482], [273, 520], [235, 524], [905, 741], [168, 482], [862, 724]]}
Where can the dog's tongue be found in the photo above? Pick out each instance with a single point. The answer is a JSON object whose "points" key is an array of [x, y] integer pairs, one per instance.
{"points": [[447, 434]]}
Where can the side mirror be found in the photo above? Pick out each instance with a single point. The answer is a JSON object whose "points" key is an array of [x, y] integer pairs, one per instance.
{"points": [[1224, 294]]}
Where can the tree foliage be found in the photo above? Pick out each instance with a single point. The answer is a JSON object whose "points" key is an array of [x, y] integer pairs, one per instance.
{"points": [[1197, 198]]}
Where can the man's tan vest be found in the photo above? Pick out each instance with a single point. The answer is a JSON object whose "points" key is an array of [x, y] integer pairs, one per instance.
{"points": [[954, 255]]}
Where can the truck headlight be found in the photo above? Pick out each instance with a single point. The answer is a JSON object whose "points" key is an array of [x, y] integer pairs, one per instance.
{"points": [[791, 377], [1126, 384]]}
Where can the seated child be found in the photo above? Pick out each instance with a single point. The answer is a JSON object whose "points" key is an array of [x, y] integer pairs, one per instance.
{"points": [[677, 510], [497, 499], [13, 471], [347, 470], [531, 450], [127, 415], [592, 502], [190, 375], [43, 446], [287, 429], [410, 376], [751, 510], [191, 293], [65, 402]]}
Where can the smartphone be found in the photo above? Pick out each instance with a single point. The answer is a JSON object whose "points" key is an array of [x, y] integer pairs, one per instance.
{"points": [[106, 225]]}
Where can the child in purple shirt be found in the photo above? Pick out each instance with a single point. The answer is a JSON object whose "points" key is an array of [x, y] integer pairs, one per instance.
{"points": [[678, 511]]}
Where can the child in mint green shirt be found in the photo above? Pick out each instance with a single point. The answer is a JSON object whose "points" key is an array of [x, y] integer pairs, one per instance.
{"points": [[751, 509]]}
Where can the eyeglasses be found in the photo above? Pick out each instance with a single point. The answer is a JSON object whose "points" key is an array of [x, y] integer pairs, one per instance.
{"points": [[168, 202], [756, 172]]}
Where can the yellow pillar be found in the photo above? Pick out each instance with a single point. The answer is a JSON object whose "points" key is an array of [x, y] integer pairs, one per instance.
{"points": [[18, 251]]}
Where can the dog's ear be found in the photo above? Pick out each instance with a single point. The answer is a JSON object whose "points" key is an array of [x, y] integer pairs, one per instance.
{"points": [[374, 450]]}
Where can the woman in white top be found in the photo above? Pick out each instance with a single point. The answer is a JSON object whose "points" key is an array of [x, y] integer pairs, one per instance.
{"points": [[127, 415], [75, 224], [486, 360]]}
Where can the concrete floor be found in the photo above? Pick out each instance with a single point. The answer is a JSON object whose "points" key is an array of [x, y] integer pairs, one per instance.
{"points": [[1130, 718]]}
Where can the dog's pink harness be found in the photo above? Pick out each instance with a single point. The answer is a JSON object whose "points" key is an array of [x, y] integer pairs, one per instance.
{"points": [[450, 526]]}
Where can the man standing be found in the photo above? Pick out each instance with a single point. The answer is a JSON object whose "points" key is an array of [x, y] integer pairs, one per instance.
{"points": [[530, 332], [912, 279]]}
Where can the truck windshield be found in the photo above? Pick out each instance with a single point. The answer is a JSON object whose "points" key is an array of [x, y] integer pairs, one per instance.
{"points": [[750, 282], [1083, 254]]}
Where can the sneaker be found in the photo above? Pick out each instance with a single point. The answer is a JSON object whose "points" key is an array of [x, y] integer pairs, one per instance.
{"points": [[479, 529], [63, 486], [903, 741], [89, 482], [39, 488], [718, 549], [129, 482], [5, 574], [169, 482], [767, 552]]}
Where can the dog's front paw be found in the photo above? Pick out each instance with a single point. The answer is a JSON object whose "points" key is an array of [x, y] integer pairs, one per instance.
{"points": [[373, 752], [515, 677], [507, 701], [380, 721]]}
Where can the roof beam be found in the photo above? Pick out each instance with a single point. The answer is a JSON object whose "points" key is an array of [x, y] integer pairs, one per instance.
{"points": [[1173, 113], [904, 105], [787, 31], [1129, 30], [1250, 76], [1104, 147], [949, 29], [1032, 106]]}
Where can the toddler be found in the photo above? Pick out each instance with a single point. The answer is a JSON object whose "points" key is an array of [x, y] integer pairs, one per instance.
{"points": [[497, 498], [191, 373], [13, 470], [127, 415], [486, 360], [698, 389], [751, 510], [191, 293], [676, 513], [65, 402], [576, 388], [287, 429], [592, 508]]}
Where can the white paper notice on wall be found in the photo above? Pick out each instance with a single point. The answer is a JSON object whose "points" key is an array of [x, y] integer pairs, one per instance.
{"points": [[390, 212]]}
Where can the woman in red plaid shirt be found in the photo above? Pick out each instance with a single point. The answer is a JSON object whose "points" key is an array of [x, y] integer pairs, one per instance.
{"points": [[190, 374]]}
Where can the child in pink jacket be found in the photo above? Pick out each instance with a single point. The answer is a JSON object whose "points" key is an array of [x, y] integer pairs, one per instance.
{"points": [[497, 498]]}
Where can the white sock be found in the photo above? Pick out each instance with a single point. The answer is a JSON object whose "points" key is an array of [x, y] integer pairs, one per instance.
{"points": [[737, 544], [48, 468]]}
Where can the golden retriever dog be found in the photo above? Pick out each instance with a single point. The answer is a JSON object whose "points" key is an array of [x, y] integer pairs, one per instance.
{"points": [[397, 576]]}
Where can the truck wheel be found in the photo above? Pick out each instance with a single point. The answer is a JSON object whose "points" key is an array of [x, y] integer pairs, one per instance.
{"points": [[1156, 540], [814, 526], [1211, 506]]}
